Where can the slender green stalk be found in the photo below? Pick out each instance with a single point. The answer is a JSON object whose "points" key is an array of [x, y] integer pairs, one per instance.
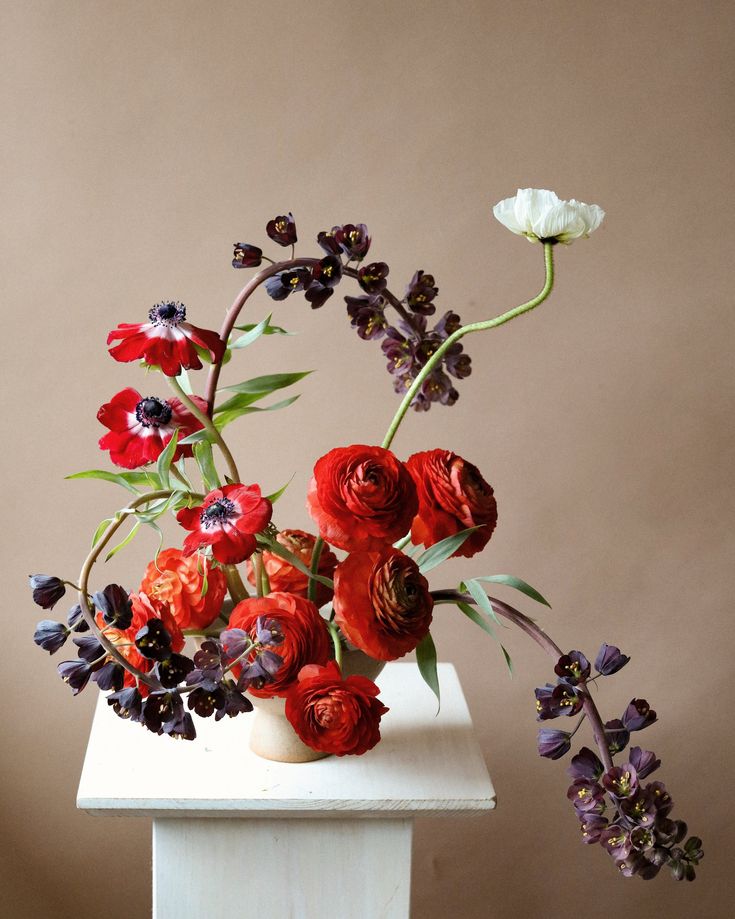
{"points": [[258, 567], [208, 425], [316, 554], [334, 632], [235, 586], [465, 330]]}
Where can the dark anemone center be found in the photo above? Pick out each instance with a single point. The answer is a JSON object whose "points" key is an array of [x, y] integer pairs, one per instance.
{"points": [[217, 513], [153, 412], [170, 313]]}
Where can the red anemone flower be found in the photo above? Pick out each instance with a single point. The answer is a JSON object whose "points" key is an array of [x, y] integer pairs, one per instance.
{"points": [[141, 427], [166, 340], [227, 520]]}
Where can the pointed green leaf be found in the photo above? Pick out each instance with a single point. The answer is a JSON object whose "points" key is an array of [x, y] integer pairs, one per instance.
{"points": [[100, 530], [205, 460], [121, 545], [268, 330], [252, 334], [242, 400], [126, 479], [269, 383], [196, 438], [510, 581], [184, 381], [163, 466], [221, 421], [426, 659], [471, 613], [277, 494], [441, 551], [478, 594], [277, 549], [508, 661]]}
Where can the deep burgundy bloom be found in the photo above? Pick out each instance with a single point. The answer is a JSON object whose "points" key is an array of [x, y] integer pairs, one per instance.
{"points": [[543, 702], [161, 708], [282, 230], [115, 605], [640, 808], [372, 277], [586, 796], [140, 428], [661, 798], [327, 241], [621, 781], [50, 635], [317, 295], [367, 315], [447, 325], [47, 590], [173, 670], [166, 340], [638, 715], [328, 272], [591, 827], [585, 765], [609, 660], [420, 293], [205, 701], [457, 362], [286, 282], [352, 239], [400, 351], [227, 520], [437, 387], [153, 640], [565, 700], [572, 668], [644, 761], [617, 735], [553, 744], [246, 256], [616, 839]]}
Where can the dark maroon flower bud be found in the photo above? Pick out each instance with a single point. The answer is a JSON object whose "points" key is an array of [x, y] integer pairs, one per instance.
{"points": [[367, 315], [161, 708], [353, 240], [327, 241], [126, 703], [205, 701], [328, 272], [669, 832], [286, 282], [585, 765], [644, 761], [110, 676], [173, 670], [553, 744], [372, 277], [591, 827], [282, 230], [572, 668], [638, 715], [632, 864], [153, 640], [50, 635], [317, 295], [114, 604], [247, 256], [617, 736], [587, 796], [447, 325], [616, 840], [621, 781], [76, 620], [90, 650], [76, 674], [642, 839], [47, 590], [420, 292], [640, 808], [609, 660]]}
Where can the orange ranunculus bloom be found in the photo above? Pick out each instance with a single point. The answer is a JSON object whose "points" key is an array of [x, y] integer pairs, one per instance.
{"points": [[177, 580]]}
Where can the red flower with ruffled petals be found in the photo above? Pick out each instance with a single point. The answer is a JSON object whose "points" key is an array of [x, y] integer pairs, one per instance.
{"points": [[334, 715], [453, 496], [382, 603], [141, 427], [166, 340], [305, 635], [361, 497], [227, 520], [178, 580]]}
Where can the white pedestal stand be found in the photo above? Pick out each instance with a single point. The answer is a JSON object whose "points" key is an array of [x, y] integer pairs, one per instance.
{"points": [[238, 836]]}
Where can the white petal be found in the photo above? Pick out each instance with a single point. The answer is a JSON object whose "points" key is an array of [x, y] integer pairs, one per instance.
{"points": [[532, 204], [504, 211]]}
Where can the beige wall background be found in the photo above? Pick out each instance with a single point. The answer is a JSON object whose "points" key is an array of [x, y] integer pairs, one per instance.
{"points": [[139, 140]]}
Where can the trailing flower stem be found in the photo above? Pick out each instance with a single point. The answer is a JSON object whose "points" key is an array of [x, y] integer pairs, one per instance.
{"points": [[235, 586], [465, 330], [316, 554]]}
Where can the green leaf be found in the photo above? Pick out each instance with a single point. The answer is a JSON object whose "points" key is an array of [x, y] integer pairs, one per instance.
{"points": [[221, 421], [508, 661], [121, 545], [426, 659], [517, 584], [240, 401], [126, 479], [196, 438], [253, 334], [277, 549], [269, 383], [184, 382], [178, 471], [101, 530], [441, 551], [478, 594], [471, 613], [205, 461], [277, 494], [163, 466], [268, 330]]}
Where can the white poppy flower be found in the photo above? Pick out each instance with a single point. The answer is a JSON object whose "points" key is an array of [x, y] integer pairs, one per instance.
{"points": [[539, 214]]}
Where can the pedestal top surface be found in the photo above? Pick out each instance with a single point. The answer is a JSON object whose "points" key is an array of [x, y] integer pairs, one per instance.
{"points": [[425, 763]]}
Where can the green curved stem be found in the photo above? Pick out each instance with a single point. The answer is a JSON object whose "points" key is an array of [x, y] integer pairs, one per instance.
{"points": [[316, 554], [465, 330], [208, 425]]}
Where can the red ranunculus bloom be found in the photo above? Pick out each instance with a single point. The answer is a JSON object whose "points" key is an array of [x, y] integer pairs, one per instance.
{"points": [[141, 427], [144, 608], [305, 635], [227, 520], [453, 496], [361, 497], [382, 602], [282, 575], [177, 581], [166, 340], [334, 715]]}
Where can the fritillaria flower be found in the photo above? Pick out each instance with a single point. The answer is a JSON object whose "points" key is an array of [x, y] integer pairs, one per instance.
{"points": [[352, 239], [638, 715], [372, 277], [553, 744], [50, 635], [610, 659], [644, 761], [420, 293], [166, 340], [115, 605], [572, 668], [621, 781], [540, 215], [287, 282], [282, 230], [587, 796], [585, 765], [47, 590], [246, 256], [126, 703], [617, 735], [591, 826], [141, 427], [76, 674]]}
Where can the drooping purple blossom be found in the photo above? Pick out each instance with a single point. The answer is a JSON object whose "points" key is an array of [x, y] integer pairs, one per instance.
{"points": [[553, 744], [282, 230], [47, 590], [609, 660], [115, 605], [372, 277], [638, 715], [573, 668], [50, 635], [585, 765], [644, 761], [246, 256], [420, 293]]}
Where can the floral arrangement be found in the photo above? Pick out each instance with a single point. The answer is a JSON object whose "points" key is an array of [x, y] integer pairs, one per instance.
{"points": [[306, 609]]}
